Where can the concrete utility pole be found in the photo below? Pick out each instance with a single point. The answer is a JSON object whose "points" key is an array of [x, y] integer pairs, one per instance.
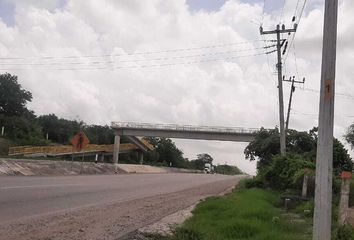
{"points": [[292, 90], [116, 152], [324, 157], [344, 198], [280, 43]]}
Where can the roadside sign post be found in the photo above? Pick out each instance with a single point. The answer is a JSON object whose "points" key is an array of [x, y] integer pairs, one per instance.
{"points": [[79, 142]]}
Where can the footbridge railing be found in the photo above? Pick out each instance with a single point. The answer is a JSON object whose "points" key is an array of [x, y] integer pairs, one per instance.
{"points": [[186, 128]]}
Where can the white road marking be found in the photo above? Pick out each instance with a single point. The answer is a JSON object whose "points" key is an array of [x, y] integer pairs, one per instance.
{"points": [[39, 186]]}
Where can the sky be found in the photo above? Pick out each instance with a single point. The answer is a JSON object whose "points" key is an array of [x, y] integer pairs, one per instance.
{"points": [[174, 61]]}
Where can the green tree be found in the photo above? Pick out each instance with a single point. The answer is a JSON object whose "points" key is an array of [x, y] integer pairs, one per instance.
{"points": [[13, 98], [166, 153], [266, 145], [227, 170], [19, 122], [59, 130], [285, 171], [350, 135], [197, 164], [22, 130], [99, 134], [205, 158]]}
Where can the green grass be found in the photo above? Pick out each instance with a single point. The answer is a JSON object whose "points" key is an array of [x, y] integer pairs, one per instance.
{"points": [[244, 214]]}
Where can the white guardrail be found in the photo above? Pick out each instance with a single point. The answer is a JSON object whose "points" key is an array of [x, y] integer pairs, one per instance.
{"points": [[187, 128]]}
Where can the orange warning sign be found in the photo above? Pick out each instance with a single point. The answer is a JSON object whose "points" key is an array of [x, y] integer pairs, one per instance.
{"points": [[79, 141]]}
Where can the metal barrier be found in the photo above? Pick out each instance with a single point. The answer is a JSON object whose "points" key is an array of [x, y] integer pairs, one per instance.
{"points": [[27, 150], [187, 128]]}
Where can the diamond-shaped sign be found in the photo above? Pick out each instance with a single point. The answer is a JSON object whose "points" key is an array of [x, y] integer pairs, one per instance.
{"points": [[79, 141]]}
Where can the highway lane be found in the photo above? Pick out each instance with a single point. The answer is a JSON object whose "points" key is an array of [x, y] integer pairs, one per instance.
{"points": [[26, 197]]}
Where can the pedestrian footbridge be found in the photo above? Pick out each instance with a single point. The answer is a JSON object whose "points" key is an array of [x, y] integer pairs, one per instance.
{"points": [[234, 134]]}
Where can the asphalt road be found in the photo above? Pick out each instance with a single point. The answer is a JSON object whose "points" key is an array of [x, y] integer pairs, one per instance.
{"points": [[28, 197]]}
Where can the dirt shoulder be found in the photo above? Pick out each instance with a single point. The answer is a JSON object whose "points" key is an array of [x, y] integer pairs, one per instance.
{"points": [[110, 221]]}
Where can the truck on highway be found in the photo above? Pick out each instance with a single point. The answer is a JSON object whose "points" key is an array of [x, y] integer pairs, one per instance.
{"points": [[208, 168]]}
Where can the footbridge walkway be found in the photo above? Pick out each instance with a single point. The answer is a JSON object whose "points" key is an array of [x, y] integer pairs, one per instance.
{"points": [[137, 144], [234, 134]]}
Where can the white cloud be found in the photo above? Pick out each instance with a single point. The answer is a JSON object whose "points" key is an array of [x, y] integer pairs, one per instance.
{"points": [[240, 92]]}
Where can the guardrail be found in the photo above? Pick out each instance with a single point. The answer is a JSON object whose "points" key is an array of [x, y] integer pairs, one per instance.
{"points": [[27, 150], [187, 128]]}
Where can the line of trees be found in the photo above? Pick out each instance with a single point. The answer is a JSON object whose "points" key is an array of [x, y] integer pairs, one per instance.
{"points": [[23, 127]]}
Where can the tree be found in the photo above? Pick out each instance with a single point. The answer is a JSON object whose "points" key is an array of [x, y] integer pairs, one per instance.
{"points": [[99, 134], [19, 122], [285, 171], [22, 131], [205, 158], [266, 145], [350, 135], [227, 170], [13, 98], [166, 152], [59, 130], [197, 164]]}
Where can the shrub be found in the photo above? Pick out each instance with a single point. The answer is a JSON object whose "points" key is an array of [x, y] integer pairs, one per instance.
{"points": [[253, 183], [286, 171], [345, 232]]}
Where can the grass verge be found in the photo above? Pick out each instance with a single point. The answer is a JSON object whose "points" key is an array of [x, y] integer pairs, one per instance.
{"points": [[244, 214]]}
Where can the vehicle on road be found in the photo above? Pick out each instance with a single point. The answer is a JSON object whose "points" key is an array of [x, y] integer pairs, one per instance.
{"points": [[209, 168]]}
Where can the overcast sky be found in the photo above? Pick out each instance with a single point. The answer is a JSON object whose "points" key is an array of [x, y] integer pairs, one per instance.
{"points": [[173, 61]]}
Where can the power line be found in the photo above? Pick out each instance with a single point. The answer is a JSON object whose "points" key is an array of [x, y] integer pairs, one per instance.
{"points": [[316, 114], [298, 22], [295, 61], [344, 95], [135, 60], [147, 65], [137, 53], [297, 6], [263, 12], [282, 11]]}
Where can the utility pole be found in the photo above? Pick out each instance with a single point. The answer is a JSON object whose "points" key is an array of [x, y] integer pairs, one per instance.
{"points": [[324, 158], [292, 90], [280, 43]]}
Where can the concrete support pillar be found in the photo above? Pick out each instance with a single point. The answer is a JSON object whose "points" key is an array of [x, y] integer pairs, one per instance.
{"points": [[344, 198], [141, 158], [102, 158], [116, 152], [305, 183]]}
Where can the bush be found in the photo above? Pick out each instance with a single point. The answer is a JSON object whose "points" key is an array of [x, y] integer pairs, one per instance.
{"points": [[345, 232], [253, 183], [286, 172], [227, 170], [306, 209]]}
